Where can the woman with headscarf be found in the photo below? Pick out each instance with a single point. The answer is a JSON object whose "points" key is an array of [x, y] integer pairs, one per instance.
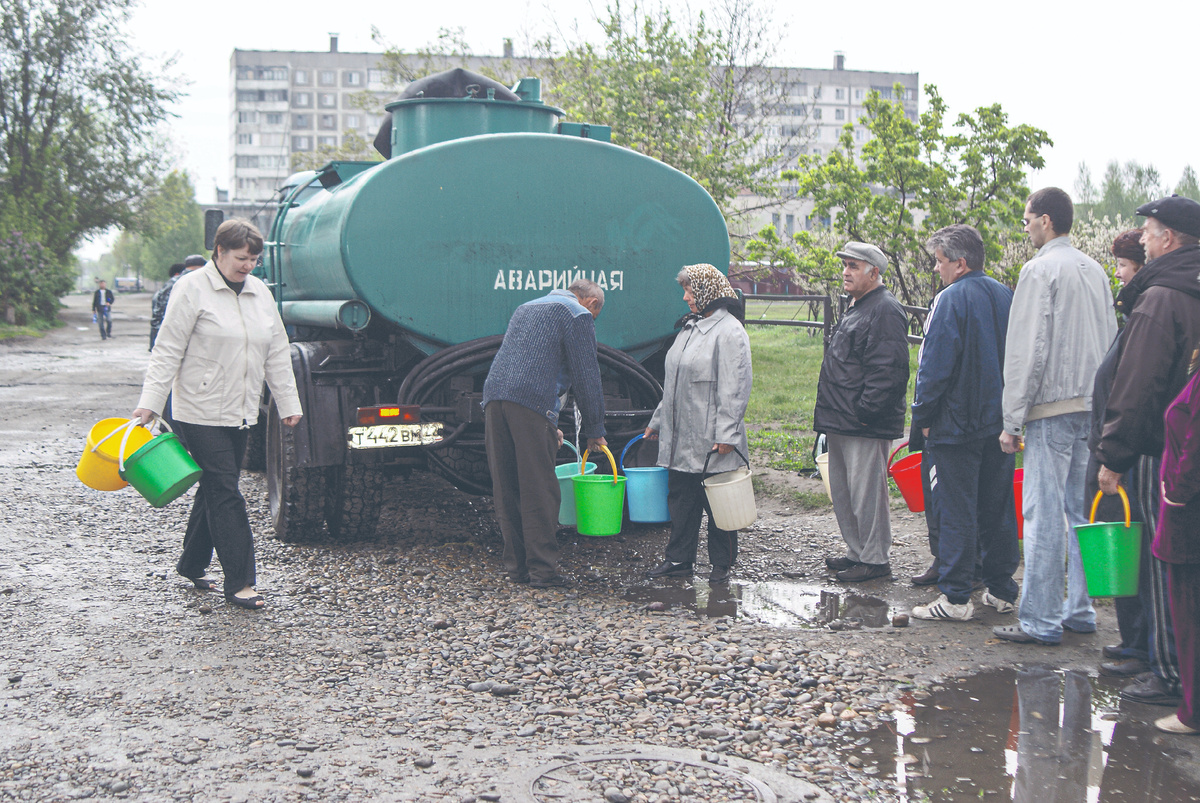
{"points": [[705, 393]]}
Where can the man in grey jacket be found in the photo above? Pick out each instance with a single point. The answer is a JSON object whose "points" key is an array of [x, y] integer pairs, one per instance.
{"points": [[1059, 329]]}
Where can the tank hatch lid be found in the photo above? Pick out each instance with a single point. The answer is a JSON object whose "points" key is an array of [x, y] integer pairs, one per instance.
{"points": [[456, 83], [335, 173]]}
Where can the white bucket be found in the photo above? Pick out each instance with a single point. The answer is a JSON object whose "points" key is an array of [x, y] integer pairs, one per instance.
{"points": [[823, 470], [731, 497]]}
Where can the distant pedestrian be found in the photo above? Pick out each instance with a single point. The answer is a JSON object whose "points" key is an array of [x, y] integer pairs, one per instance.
{"points": [[549, 346], [102, 301], [1059, 327], [158, 304], [957, 407], [1161, 305], [860, 408], [700, 422]]}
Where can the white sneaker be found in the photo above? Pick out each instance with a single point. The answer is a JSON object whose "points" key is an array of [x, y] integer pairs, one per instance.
{"points": [[942, 608], [1001, 605]]}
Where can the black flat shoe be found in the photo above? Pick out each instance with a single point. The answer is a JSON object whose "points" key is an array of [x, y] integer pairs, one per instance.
{"points": [[720, 574], [203, 583], [669, 569], [255, 603]]}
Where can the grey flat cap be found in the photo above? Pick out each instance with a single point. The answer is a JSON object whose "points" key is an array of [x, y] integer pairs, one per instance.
{"points": [[864, 253]]}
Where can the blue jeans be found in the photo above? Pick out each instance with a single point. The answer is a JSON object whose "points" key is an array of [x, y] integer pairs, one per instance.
{"points": [[104, 320], [1056, 456], [973, 502]]}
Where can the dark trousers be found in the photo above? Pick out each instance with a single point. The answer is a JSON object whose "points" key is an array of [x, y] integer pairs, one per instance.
{"points": [[1164, 661], [521, 445], [218, 519], [1183, 580], [686, 501], [973, 501]]}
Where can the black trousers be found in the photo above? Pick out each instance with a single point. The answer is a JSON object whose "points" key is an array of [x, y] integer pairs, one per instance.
{"points": [[218, 519], [521, 445], [686, 500]]}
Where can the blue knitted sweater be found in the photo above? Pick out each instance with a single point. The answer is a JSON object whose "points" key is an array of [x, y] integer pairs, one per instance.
{"points": [[549, 346]]}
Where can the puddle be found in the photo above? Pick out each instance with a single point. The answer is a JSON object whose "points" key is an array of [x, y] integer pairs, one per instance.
{"points": [[1036, 735], [774, 603]]}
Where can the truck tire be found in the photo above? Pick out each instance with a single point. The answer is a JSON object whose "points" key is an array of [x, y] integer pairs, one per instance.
{"points": [[296, 496], [255, 458], [353, 502], [465, 467]]}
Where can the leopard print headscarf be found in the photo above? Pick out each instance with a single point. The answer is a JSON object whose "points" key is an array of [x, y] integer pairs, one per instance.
{"points": [[708, 284]]}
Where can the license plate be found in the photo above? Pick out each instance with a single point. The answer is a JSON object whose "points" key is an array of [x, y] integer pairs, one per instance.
{"points": [[384, 436]]}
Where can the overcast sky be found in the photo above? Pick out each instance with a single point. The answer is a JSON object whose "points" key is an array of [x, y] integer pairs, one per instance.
{"points": [[1105, 84]]}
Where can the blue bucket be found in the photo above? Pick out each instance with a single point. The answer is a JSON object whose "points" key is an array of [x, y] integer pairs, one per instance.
{"points": [[646, 490], [566, 489]]}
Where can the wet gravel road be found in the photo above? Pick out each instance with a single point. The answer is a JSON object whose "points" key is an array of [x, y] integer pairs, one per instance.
{"points": [[410, 668]]}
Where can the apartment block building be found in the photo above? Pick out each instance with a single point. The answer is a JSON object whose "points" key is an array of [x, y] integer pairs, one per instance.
{"points": [[288, 102]]}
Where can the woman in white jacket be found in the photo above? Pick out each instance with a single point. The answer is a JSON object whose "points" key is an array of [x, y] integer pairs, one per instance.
{"points": [[221, 337], [705, 393]]}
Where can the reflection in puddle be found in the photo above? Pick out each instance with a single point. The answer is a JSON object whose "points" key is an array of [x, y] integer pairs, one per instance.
{"points": [[1037, 735], [779, 604]]}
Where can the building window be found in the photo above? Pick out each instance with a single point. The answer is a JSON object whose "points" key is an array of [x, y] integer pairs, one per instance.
{"points": [[860, 134], [302, 100], [790, 226], [300, 77], [247, 161], [816, 151], [816, 92], [273, 118], [247, 183], [301, 143], [858, 94], [374, 76], [353, 78], [816, 114], [839, 94], [272, 162], [301, 121], [245, 139], [327, 78], [774, 222], [327, 122], [839, 114], [327, 142], [327, 100], [260, 95], [248, 117], [271, 140], [352, 121]]}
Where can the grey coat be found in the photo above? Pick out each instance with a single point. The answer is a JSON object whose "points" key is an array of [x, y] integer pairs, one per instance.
{"points": [[705, 393]]}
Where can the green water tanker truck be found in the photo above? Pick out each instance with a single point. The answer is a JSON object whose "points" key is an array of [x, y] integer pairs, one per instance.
{"points": [[396, 280]]}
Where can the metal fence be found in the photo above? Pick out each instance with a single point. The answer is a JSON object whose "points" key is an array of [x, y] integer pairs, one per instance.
{"points": [[816, 312]]}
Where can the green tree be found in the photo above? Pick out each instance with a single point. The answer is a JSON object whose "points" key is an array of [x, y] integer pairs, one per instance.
{"points": [[172, 226], [78, 113], [1188, 186], [669, 92], [914, 177]]}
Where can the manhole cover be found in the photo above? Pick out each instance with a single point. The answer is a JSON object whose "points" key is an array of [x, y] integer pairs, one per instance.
{"points": [[671, 774]]}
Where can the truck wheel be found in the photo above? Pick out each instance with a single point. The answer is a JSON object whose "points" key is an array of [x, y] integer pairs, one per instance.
{"points": [[354, 500], [295, 495], [256, 447], [466, 468]]}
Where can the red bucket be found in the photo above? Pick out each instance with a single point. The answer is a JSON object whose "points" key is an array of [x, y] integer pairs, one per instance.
{"points": [[1018, 481], [906, 473]]}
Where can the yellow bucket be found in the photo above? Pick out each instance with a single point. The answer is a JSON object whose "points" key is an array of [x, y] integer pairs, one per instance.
{"points": [[98, 467]]}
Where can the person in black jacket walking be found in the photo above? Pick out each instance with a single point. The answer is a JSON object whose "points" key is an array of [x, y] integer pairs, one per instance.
{"points": [[860, 408], [102, 301]]}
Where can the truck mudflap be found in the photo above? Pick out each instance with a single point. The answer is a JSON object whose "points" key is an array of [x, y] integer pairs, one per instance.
{"points": [[318, 440]]}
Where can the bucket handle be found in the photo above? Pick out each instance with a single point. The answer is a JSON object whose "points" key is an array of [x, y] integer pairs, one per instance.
{"points": [[626, 449], [611, 462], [1096, 504], [162, 422], [714, 451], [892, 456], [128, 425]]}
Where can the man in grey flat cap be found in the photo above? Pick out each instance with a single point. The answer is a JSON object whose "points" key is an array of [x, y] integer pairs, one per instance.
{"points": [[1152, 354], [860, 408]]}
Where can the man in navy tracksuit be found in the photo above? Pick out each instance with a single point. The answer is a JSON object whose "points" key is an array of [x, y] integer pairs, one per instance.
{"points": [[957, 406]]}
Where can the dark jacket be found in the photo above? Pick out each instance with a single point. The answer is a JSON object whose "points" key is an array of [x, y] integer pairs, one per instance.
{"points": [[960, 375], [99, 301], [865, 371], [1162, 305], [1178, 537]]}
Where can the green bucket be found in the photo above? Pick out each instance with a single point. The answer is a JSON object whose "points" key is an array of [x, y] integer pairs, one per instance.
{"points": [[162, 470], [599, 501], [1111, 553]]}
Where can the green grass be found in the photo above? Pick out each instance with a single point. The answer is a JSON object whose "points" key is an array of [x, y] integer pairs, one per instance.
{"points": [[8, 332], [805, 500], [787, 365]]}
